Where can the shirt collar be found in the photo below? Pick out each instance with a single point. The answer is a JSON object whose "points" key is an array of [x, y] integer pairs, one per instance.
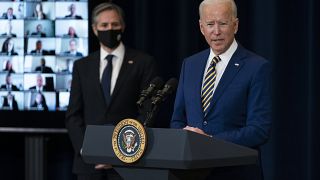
{"points": [[118, 52], [226, 56]]}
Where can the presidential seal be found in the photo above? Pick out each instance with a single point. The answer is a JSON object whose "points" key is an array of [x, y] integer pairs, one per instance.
{"points": [[129, 140]]}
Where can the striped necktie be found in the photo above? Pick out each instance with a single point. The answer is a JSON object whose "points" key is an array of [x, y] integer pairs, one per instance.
{"points": [[208, 84]]}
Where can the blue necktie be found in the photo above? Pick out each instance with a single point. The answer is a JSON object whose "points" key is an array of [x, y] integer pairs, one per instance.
{"points": [[106, 79]]}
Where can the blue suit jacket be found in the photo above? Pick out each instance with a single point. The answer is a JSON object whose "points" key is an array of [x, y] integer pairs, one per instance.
{"points": [[240, 110]]}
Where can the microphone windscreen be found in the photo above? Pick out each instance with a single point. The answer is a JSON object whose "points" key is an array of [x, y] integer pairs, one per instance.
{"points": [[157, 81], [173, 83]]}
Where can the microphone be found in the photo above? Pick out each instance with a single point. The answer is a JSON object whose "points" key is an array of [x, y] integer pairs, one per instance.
{"points": [[155, 84], [168, 88]]}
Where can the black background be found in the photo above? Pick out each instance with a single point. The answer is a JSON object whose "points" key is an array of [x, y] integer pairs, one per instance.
{"points": [[285, 32]]}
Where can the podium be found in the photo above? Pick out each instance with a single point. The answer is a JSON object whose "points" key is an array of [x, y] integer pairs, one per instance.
{"points": [[171, 154]]}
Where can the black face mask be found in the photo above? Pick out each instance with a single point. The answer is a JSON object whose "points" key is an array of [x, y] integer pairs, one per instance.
{"points": [[110, 38]]}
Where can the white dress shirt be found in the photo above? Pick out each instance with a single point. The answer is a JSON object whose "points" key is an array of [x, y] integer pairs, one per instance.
{"points": [[220, 66], [118, 55], [10, 103], [39, 88], [9, 87]]}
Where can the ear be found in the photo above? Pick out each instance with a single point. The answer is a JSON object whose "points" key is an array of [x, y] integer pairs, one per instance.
{"points": [[94, 29], [236, 25], [201, 27]]}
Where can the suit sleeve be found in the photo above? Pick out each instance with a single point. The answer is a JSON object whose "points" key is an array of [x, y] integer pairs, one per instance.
{"points": [[179, 119], [259, 112], [74, 121]]}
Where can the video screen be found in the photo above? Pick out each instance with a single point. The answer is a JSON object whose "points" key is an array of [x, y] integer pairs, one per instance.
{"points": [[40, 41]]}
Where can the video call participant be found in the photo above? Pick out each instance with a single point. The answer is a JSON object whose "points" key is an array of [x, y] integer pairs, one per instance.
{"points": [[232, 101], [43, 68], [39, 87], [9, 86], [38, 50], [8, 28], [9, 102], [40, 102], [9, 14], [73, 49], [73, 15], [69, 66], [9, 67], [8, 47], [39, 32], [38, 12], [96, 98], [71, 33]]}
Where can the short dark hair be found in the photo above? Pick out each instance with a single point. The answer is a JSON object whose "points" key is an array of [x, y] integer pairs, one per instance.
{"points": [[107, 7]]}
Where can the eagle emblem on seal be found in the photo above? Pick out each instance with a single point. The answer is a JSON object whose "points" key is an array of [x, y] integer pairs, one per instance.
{"points": [[129, 141]]}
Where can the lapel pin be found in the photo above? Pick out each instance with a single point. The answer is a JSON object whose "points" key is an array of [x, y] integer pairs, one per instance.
{"points": [[236, 64], [130, 62]]}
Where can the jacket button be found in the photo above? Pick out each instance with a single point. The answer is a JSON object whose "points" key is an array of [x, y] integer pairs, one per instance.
{"points": [[205, 123]]}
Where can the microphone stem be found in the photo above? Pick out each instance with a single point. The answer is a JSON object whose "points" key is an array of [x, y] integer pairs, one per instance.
{"points": [[149, 117]]}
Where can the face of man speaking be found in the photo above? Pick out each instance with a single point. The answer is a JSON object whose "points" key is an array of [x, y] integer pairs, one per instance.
{"points": [[218, 26]]}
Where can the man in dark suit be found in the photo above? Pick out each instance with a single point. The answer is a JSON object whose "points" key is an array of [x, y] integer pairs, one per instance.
{"points": [[73, 15], [9, 14], [99, 99], [43, 68], [225, 91], [38, 50], [9, 102], [40, 87], [9, 86], [38, 32], [73, 49]]}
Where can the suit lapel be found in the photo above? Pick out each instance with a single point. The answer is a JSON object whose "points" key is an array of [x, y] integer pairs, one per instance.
{"points": [[200, 64], [235, 64], [125, 67], [94, 74]]}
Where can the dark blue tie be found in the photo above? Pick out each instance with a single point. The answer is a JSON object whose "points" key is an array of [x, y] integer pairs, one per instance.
{"points": [[106, 79]]}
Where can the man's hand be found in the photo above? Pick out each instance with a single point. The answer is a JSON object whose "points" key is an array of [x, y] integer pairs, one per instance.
{"points": [[197, 130], [103, 166]]}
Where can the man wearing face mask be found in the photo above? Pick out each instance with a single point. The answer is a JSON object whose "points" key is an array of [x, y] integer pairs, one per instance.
{"points": [[105, 86]]}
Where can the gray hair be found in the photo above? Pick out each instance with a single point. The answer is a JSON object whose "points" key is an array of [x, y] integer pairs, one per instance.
{"points": [[107, 7], [207, 2]]}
